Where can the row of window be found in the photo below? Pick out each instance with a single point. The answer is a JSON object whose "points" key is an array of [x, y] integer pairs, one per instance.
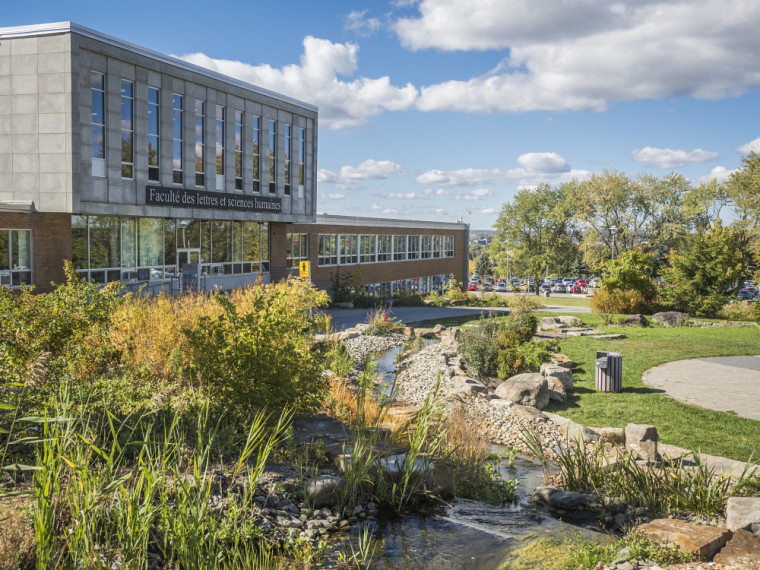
{"points": [[241, 122], [348, 249], [419, 285], [15, 257], [297, 249], [116, 248]]}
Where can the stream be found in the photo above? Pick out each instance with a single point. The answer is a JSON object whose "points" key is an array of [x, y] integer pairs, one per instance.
{"points": [[469, 534]]}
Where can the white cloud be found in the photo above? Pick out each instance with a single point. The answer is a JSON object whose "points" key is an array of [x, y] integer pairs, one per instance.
{"points": [[668, 158], [358, 23], [751, 146], [543, 162], [390, 211], [719, 173], [441, 212], [336, 196], [476, 194], [351, 176], [316, 80], [488, 210], [585, 54], [375, 207], [401, 196], [465, 177]]}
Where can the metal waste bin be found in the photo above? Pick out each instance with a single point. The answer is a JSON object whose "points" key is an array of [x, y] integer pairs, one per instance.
{"points": [[609, 371]]}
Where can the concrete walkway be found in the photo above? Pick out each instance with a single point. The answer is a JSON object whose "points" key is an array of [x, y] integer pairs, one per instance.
{"points": [[726, 384]]}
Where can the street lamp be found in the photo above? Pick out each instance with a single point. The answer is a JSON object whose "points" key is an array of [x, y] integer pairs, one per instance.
{"points": [[613, 230]]}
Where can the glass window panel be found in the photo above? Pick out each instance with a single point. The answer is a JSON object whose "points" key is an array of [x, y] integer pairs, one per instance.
{"points": [[219, 140], [188, 234], [151, 247], [251, 241], [5, 251], [98, 142], [221, 251], [170, 242], [265, 242], [128, 242], [205, 230], [105, 243], [79, 242]]}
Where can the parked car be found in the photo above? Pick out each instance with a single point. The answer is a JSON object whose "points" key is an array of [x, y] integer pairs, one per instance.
{"points": [[501, 287], [581, 282], [575, 288], [545, 287], [487, 286], [473, 286], [746, 294], [559, 287]]}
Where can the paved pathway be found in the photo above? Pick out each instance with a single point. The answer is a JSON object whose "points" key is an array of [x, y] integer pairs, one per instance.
{"points": [[727, 383]]}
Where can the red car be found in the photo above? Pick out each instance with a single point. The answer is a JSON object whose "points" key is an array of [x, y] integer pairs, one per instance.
{"points": [[575, 288], [472, 286], [581, 282]]}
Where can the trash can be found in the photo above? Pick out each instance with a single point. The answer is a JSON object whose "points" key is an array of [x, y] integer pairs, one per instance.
{"points": [[609, 371], [547, 293]]}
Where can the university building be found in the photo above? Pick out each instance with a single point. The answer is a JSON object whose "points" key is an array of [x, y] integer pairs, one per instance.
{"points": [[141, 168]]}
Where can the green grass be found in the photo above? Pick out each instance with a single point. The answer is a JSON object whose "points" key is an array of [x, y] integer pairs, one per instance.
{"points": [[565, 302], [688, 426]]}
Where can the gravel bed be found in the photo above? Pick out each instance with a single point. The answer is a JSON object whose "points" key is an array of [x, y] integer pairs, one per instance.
{"points": [[362, 347]]}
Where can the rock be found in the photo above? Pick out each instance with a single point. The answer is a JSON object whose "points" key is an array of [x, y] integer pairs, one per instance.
{"points": [[501, 403], [528, 389], [565, 500], [438, 329], [743, 513], [324, 490], [699, 539], [409, 331], [565, 375], [527, 412], [439, 476], [548, 323], [575, 432], [615, 436], [562, 360], [742, 551], [642, 439], [669, 318], [450, 336], [636, 321], [556, 389], [570, 321]]}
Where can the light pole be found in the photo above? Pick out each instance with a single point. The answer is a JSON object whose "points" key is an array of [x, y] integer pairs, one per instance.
{"points": [[613, 230]]}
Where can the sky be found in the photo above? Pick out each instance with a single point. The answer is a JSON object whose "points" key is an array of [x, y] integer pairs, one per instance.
{"points": [[443, 109]]}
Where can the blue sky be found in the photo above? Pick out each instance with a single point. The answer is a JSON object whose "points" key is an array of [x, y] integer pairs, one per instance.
{"points": [[440, 109]]}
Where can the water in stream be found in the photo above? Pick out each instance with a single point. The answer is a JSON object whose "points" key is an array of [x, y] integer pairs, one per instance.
{"points": [[468, 534]]}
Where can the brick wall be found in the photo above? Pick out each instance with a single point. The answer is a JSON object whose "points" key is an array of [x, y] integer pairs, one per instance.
{"points": [[388, 270], [51, 244]]}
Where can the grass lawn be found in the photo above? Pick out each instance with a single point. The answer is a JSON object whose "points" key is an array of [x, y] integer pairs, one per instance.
{"points": [[684, 425], [565, 301]]}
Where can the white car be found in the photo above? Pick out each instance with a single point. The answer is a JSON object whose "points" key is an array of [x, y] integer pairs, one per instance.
{"points": [[559, 287], [501, 287]]}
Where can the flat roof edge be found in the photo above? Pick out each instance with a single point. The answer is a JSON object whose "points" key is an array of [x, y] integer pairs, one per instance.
{"points": [[71, 27], [336, 220]]}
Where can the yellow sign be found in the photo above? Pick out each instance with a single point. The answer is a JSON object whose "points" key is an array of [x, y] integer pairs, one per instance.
{"points": [[304, 270]]}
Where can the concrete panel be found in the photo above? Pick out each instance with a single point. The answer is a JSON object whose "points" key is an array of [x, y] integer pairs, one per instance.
{"points": [[53, 62], [54, 102], [54, 83], [52, 123], [5, 105], [54, 162], [5, 65], [27, 162], [23, 46], [5, 84], [24, 124], [5, 49], [28, 143], [24, 65], [6, 163], [6, 125], [23, 84], [53, 202], [5, 182], [6, 144], [54, 142], [52, 182], [24, 104], [52, 44], [25, 183], [121, 69]]}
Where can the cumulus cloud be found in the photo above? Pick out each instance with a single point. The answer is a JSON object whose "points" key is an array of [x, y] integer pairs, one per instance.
{"points": [[351, 176], [585, 54], [464, 177], [476, 194], [317, 80], [336, 196], [752, 146], [441, 212], [390, 211], [542, 162], [357, 22], [488, 210], [375, 207], [668, 158], [401, 196], [719, 173]]}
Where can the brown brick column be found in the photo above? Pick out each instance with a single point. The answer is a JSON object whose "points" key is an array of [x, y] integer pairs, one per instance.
{"points": [[278, 251]]}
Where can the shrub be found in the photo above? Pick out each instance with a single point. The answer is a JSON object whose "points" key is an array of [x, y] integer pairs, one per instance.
{"points": [[362, 301], [478, 345], [619, 301], [258, 352], [738, 311], [523, 357], [380, 324], [436, 299], [410, 300]]}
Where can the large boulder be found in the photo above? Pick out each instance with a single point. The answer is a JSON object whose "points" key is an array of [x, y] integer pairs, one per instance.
{"points": [[325, 490], [669, 318], [698, 539], [642, 440], [742, 551], [570, 321], [743, 512], [564, 375], [557, 391], [550, 323], [530, 389], [636, 321]]}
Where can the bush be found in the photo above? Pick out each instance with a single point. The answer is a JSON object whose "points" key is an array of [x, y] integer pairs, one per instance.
{"points": [[380, 324], [525, 357], [619, 301], [410, 300], [739, 311], [479, 348], [258, 352], [362, 301]]}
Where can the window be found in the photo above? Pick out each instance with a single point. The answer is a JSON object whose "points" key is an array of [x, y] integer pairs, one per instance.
{"points": [[200, 142], [256, 154], [349, 249], [426, 249], [367, 245], [15, 258], [298, 249], [127, 129], [301, 155], [448, 246], [272, 157], [153, 134], [414, 247], [98, 101], [177, 139], [328, 249], [238, 150], [384, 246], [399, 248], [287, 132], [220, 147], [437, 246]]}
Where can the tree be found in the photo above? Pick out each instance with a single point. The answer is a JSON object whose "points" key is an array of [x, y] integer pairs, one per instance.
{"points": [[483, 265], [743, 188], [535, 230], [699, 281], [631, 271]]}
